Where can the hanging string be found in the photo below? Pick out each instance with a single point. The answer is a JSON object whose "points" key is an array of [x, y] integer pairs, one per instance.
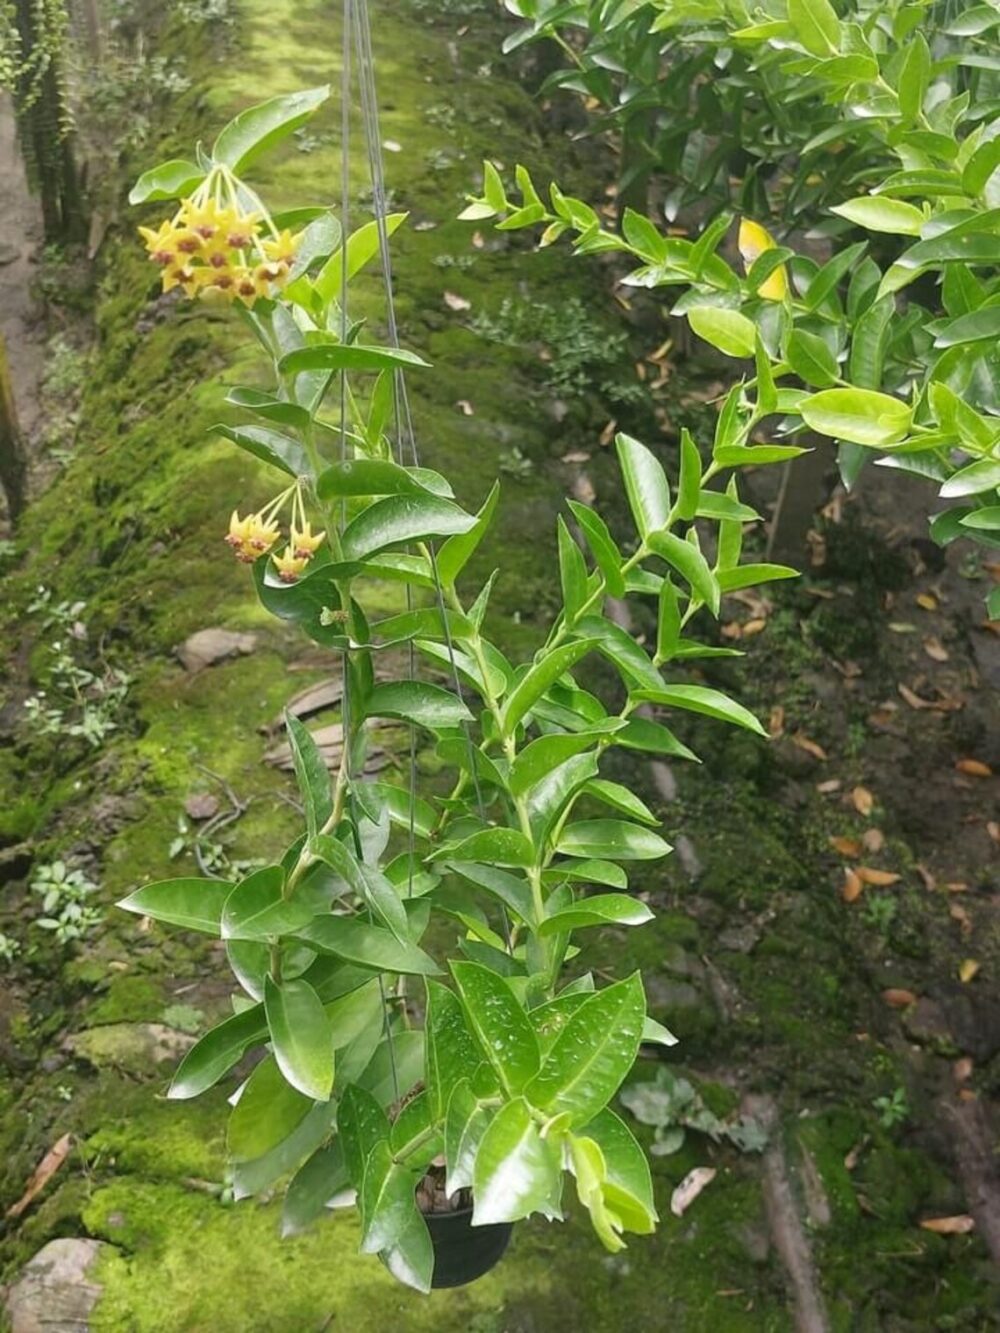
{"points": [[405, 433]]}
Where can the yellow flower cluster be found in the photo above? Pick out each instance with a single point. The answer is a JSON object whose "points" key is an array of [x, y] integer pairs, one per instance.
{"points": [[255, 535], [218, 253]]}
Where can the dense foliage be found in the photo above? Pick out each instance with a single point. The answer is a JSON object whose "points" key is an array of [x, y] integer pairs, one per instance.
{"points": [[517, 842]]}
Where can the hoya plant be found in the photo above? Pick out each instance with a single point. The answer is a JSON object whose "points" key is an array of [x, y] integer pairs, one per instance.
{"points": [[413, 1021]]}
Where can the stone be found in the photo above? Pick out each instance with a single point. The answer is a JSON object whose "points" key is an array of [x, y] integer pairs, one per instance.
{"points": [[201, 805], [210, 646], [53, 1293], [134, 1047]]}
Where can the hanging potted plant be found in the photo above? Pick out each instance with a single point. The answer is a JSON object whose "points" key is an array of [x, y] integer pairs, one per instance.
{"points": [[451, 1085]]}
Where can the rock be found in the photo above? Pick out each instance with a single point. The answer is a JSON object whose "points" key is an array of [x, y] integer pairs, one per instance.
{"points": [[134, 1047], [688, 857], [53, 1293], [739, 939], [8, 253], [201, 805], [210, 646]]}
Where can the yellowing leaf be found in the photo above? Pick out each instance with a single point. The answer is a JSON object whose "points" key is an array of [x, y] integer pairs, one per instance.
{"points": [[753, 241], [851, 891], [881, 878], [928, 602], [846, 846], [974, 768], [862, 800], [968, 969]]}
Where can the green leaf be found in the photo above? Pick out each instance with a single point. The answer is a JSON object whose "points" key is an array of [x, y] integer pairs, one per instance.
{"points": [[869, 341], [194, 904], [951, 248], [593, 1053], [645, 484], [572, 572], [689, 486], [170, 180], [668, 623], [914, 78], [620, 798], [858, 415], [517, 1172], [551, 797], [301, 1036], [257, 910], [725, 507], [451, 1053], [466, 1121], [269, 1109], [621, 650], [256, 129], [270, 446], [513, 891], [415, 701], [748, 576], [983, 475], [816, 26], [727, 330], [264, 1172], [458, 549], [613, 839], [368, 946], [395, 1067], [654, 738], [372, 476], [541, 676], [980, 167], [362, 1125], [320, 1179], [499, 1023], [386, 1200], [270, 408], [883, 215], [811, 359], [362, 247], [741, 455], [702, 699], [603, 909], [979, 326], [603, 547], [310, 773], [334, 356], [214, 1054], [499, 846], [542, 755], [586, 872], [628, 1178], [400, 519], [983, 520], [690, 563]]}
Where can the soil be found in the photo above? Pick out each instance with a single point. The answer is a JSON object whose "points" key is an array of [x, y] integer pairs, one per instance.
{"points": [[856, 1021]]}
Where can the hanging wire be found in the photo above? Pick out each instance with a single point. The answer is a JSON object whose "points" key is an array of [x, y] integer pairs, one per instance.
{"points": [[405, 433]]}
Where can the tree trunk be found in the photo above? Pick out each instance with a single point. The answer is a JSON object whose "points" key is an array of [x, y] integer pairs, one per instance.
{"points": [[13, 459]]}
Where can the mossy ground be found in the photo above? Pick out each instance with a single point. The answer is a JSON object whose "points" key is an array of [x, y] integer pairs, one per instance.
{"points": [[133, 527]]}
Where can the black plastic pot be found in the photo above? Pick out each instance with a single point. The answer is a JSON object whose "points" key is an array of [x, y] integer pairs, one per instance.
{"points": [[463, 1252]]}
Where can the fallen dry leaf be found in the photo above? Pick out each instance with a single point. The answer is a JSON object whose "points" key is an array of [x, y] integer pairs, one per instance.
{"points": [[928, 602], [478, 240], [958, 913], [880, 878], [961, 1069], [831, 785], [930, 882], [42, 1174], [753, 627], [455, 302], [957, 886], [465, 407], [854, 1156], [949, 1226], [776, 723], [392, 146], [873, 840], [899, 998], [862, 800], [810, 747], [934, 648], [846, 846], [732, 629], [576, 456], [968, 969], [689, 1189], [607, 434], [974, 768], [851, 891], [993, 829]]}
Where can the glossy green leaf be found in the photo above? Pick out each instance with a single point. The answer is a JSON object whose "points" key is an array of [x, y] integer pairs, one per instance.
{"points": [[513, 891], [170, 180], [358, 357], [739, 455], [572, 572], [702, 699], [311, 774], [456, 552], [361, 1125], [620, 798], [362, 247], [614, 839], [418, 702], [270, 446], [621, 650], [816, 25], [194, 904], [876, 213], [727, 330], [603, 909], [309, 1192], [301, 1036], [984, 520], [517, 1172], [540, 756], [586, 872], [399, 519], [540, 677], [974, 478], [375, 476], [858, 415], [811, 359], [500, 846], [451, 1052], [627, 1172], [691, 564], [749, 576], [550, 798], [386, 1199], [499, 1023], [653, 737], [253, 131], [603, 547], [396, 1066], [978, 326], [213, 1055], [256, 909], [689, 485], [262, 1173], [369, 946], [411, 1259], [269, 1109], [466, 1121], [270, 408], [593, 1053], [645, 485]]}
